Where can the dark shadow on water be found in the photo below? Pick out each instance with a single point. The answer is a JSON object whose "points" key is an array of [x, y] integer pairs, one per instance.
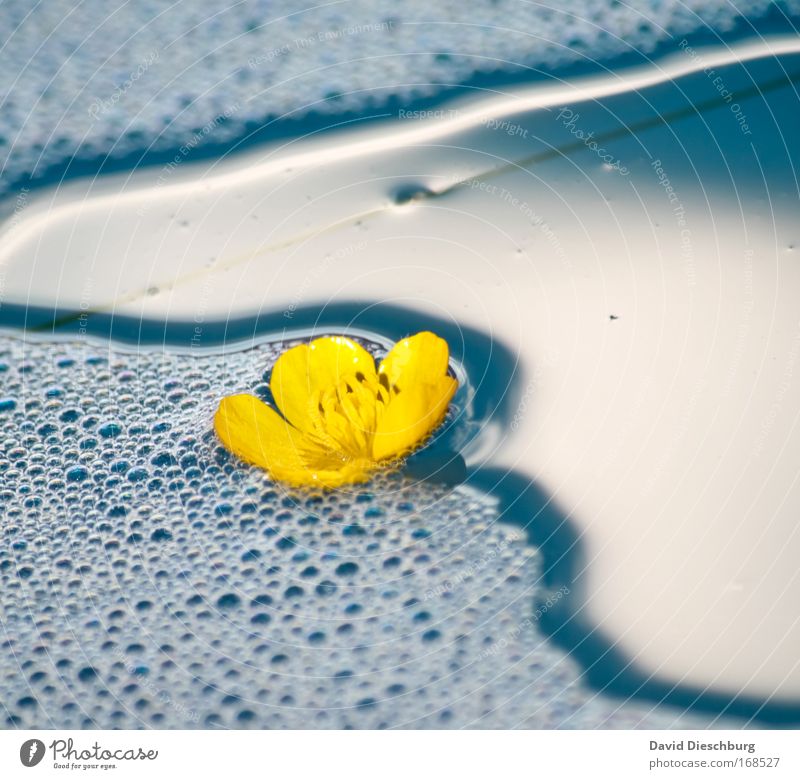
{"points": [[492, 370], [484, 359], [272, 129], [605, 666]]}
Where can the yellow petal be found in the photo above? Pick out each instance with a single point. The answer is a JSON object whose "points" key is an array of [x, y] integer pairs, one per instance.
{"points": [[410, 416], [419, 359], [253, 431], [302, 371]]}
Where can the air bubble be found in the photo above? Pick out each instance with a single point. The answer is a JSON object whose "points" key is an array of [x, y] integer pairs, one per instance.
{"points": [[229, 601], [78, 474]]}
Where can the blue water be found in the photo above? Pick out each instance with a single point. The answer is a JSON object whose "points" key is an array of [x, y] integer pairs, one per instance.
{"points": [[126, 141], [490, 369], [768, 91]]}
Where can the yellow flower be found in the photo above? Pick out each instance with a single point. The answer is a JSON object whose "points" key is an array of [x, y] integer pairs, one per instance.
{"points": [[341, 419]]}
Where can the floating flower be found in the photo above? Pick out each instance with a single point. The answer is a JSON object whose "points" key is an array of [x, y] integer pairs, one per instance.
{"points": [[342, 419]]}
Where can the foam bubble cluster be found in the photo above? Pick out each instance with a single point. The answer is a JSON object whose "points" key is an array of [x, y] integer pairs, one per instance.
{"points": [[149, 579], [96, 79]]}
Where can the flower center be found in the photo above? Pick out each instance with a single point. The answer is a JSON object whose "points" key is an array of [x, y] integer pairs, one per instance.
{"points": [[346, 414]]}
